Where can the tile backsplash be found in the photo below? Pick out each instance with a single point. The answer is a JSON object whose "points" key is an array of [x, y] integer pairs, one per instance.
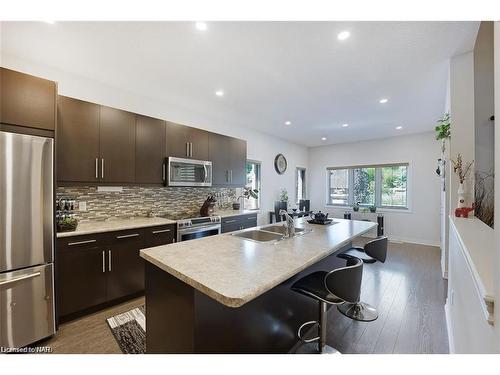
{"points": [[139, 201]]}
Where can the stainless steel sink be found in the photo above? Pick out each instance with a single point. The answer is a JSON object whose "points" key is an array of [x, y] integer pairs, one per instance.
{"points": [[259, 235]]}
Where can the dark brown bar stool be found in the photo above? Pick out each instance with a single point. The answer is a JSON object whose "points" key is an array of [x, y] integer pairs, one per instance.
{"points": [[342, 285], [375, 250]]}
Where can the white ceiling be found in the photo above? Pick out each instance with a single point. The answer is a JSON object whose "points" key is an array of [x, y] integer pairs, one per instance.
{"points": [[270, 72]]}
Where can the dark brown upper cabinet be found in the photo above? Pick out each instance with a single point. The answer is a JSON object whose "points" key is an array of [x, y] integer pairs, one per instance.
{"points": [[78, 155], [149, 150], [117, 145], [27, 101], [228, 156], [187, 142]]}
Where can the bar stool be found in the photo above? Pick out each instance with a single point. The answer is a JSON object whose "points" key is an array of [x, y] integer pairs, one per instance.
{"points": [[338, 286], [373, 251]]}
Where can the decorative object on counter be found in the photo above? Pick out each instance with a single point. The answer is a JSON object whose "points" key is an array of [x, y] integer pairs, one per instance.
{"points": [[248, 193], [208, 206], [65, 214], [319, 218], [373, 209], [463, 211], [461, 170], [280, 164], [355, 207], [443, 130], [67, 224]]}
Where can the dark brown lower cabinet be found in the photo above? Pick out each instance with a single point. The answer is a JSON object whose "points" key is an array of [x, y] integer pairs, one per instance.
{"points": [[125, 272], [81, 282], [239, 222], [95, 269]]}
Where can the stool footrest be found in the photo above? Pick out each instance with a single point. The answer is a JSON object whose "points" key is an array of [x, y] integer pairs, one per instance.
{"points": [[299, 332]]}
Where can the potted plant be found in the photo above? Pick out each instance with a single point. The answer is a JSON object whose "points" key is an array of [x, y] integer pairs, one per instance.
{"points": [[373, 208], [248, 193], [355, 207], [67, 224], [284, 195], [443, 130]]}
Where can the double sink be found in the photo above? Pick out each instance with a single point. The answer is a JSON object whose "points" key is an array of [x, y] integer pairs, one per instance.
{"points": [[272, 233]]}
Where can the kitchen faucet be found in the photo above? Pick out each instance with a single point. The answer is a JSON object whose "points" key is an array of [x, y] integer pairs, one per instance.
{"points": [[289, 225]]}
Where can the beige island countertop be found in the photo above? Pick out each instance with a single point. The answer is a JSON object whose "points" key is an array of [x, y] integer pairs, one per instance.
{"points": [[111, 225], [234, 271]]}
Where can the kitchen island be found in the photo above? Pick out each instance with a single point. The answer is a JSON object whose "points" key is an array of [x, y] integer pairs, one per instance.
{"points": [[226, 294]]}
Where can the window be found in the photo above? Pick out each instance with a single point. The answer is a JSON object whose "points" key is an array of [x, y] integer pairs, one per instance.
{"points": [[253, 182], [339, 187], [300, 188], [384, 186]]}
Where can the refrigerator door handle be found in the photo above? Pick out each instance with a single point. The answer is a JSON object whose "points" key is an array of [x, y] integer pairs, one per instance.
{"points": [[24, 277]]}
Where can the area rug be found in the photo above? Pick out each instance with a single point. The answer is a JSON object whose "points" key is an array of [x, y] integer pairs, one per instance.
{"points": [[129, 330]]}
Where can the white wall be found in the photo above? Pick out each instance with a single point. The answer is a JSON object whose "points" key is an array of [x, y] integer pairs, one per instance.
{"points": [[261, 147], [420, 224]]}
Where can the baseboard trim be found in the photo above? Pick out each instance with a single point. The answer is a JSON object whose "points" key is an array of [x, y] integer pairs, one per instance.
{"points": [[451, 345]]}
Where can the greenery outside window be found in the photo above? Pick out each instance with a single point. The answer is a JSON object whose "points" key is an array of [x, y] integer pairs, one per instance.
{"points": [[253, 181], [383, 186]]}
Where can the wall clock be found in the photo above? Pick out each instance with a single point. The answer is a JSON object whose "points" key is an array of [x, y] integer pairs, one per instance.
{"points": [[280, 164]]}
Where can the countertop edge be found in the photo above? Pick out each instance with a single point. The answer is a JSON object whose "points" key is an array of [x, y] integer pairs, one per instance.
{"points": [[236, 302]]}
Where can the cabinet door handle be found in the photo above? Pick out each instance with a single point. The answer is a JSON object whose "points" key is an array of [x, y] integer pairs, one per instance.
{"points": [[127, 235], [161, 231], [96, 168], [80, 242], [102, 168], [103, 262], [109, 260], [227, 176], [191, 149], [163, 172], [187, 149], [231, 174]]}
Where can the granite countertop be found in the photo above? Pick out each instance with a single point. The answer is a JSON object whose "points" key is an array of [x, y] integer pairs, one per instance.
{"points": [[111, 225], [234, 271]]}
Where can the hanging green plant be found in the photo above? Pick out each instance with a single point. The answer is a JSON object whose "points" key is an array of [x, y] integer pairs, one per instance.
{"points": [[443, 130]]}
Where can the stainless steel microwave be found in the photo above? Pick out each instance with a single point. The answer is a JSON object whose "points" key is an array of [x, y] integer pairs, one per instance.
{"points": [[188, 172]]}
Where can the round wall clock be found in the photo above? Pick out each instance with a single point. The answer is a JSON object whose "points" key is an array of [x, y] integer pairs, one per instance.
{"points": [[280, 164]]}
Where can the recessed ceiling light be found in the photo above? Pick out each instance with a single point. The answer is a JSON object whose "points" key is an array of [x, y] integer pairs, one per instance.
{"points": [[202, 26], [343, 35], [383, 100], [288, 123], [399, 127], [345, 125], [219, 93], [323, 138]]}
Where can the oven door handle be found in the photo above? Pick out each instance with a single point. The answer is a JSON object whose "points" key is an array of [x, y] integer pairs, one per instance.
{"points": [[198, 229]]}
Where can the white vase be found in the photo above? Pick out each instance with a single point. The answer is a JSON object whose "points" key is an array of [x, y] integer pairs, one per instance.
{"points": [[461, 196]]}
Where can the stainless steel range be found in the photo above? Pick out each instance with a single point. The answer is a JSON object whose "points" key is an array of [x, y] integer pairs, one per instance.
{"points": [[190, 229]]}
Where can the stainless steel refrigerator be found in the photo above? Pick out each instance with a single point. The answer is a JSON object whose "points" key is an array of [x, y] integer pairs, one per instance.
{"points": [[26, 239]]}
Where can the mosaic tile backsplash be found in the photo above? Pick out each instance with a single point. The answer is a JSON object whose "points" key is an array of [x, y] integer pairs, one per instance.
{"points": [[172, 202]]}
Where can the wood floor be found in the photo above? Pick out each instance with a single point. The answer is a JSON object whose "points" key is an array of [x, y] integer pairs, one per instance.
{"points": [[407, 290]]}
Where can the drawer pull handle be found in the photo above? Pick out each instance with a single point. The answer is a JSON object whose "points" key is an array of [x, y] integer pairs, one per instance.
{"points": [[128, 235], [161, 231], [230, 221], [252, 218], [24, 277], [80, 242]]}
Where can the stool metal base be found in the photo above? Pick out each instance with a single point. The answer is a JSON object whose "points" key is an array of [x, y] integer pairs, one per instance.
{"points": [[312, 348], [360, 311]]}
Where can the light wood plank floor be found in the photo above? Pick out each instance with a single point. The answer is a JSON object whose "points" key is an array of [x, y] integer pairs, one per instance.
{"points": [[407, 290]]}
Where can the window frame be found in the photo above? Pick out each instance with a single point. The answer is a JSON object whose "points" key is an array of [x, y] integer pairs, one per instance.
{"points": [[304, 184], [259, 184], [378, 187]]}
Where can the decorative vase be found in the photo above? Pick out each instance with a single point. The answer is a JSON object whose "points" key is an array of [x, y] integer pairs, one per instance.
{"points": [[461, 196]]}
